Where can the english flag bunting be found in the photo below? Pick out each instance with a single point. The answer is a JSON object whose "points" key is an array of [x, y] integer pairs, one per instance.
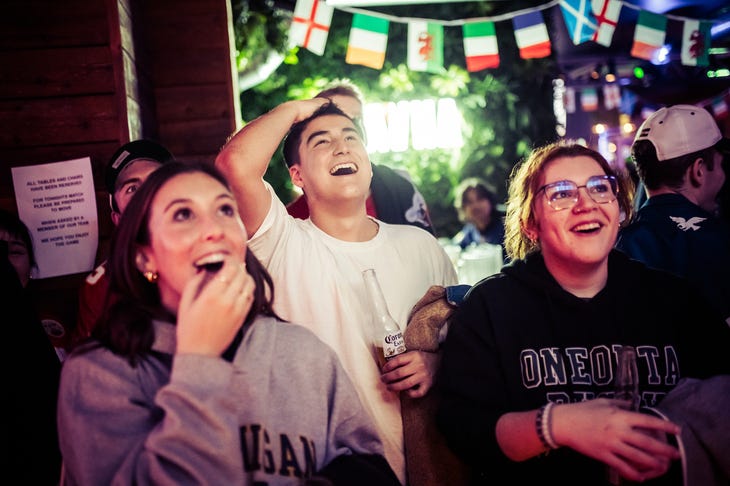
{"points": [[569, 100], [696, 43], [425, 47], [531, 35], [579, 20], [368, 41], [480, 46], [607, 13], [310, 25], [611, 96], [649, 35]]}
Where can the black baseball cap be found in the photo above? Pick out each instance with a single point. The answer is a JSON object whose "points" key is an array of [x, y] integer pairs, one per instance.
{"points": [[130, 152]]}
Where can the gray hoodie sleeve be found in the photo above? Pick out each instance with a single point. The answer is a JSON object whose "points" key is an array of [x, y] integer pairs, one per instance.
{"points": [[124, 425]]}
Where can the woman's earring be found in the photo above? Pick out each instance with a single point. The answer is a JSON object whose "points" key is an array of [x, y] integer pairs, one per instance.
{"points": [[150, 276]]}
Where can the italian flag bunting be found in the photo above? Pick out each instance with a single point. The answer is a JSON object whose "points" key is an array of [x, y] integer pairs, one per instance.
{"points": [[425, 47], [368, 41], [649, 35], [480, 46], [310, 25], [696, 43]]}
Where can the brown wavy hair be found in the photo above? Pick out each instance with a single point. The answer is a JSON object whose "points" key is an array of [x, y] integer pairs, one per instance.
{"points": [[525, 181]]}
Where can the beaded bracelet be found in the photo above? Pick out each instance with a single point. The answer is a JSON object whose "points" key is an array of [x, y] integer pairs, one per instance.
{"points": [[543, 425]]}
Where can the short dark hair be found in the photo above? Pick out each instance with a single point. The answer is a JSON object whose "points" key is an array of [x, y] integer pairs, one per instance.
{"points": [[127, 327], [294, 138], [670, 173], [341, 88], [348, 89], [16, 228], [126, 154], [480, 187]]}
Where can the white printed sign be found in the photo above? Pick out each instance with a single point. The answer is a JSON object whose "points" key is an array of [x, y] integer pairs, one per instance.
{"points": [[58, 204]]}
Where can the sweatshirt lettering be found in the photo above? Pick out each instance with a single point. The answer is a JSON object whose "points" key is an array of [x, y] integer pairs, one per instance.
{"points": [[582, 367], [282, 456]]}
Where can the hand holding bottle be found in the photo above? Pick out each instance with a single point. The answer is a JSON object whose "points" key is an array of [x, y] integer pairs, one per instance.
{"points": [[387, 337]]}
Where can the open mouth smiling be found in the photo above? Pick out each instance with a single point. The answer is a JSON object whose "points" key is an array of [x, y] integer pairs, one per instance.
{"points": [[210, 263], [587, 228], [344, 169]]}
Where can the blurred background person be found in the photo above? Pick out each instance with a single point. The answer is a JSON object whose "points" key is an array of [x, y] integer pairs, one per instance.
{"points": [[192, 378], [393, 197], [479, 210], [126, 170], [31, 366]]}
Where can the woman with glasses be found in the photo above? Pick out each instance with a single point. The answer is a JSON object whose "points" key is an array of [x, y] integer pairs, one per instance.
{"points": [[528, 368]]}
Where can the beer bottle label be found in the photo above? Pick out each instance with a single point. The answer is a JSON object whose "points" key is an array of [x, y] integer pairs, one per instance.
{"points": [[393, 345]]}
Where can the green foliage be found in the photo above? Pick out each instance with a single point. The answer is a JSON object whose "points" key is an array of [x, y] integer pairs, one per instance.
{"points": [[506, 110]]}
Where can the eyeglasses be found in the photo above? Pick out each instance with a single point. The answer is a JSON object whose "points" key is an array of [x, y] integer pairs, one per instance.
{"points": [[564, 194]]}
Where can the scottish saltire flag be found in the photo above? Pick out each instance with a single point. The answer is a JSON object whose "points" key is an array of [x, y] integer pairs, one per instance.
{"points": [[310, 25], [579, 19], [589, 99], [719, 107], [425, 47], [649, 34], [607, 13], [696, 41], [368, 41], [480, 46], [611, 96], [531, 35]]}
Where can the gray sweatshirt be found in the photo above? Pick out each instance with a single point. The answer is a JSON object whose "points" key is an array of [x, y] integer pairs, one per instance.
{"points": [[279, 412]]}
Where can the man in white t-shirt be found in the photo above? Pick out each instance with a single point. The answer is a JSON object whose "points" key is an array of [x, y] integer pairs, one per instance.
{"points": [[317, 263]]}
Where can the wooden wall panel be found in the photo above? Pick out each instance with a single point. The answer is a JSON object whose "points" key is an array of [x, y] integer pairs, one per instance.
{"points": [[28, 24], [196, 91], [43, 73], [89, 75], [203, 146], [55, 121]]}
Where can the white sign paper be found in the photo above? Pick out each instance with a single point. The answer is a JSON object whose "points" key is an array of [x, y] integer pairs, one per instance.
{"points": [[58, 204]]}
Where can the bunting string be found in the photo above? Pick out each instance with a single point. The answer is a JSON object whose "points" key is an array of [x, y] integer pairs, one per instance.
{"points": [[494, 18], [586, 21]]}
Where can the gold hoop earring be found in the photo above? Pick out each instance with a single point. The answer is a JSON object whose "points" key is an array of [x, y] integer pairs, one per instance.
{"points": [[150, 276]]}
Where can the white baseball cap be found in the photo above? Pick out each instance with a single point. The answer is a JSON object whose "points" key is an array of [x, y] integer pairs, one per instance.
{"points": [[680, 130]]}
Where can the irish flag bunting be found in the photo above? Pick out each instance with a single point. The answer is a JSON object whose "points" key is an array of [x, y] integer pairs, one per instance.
{"points": [[425, 47], [719, 107], [585, 20], [480, 46], [589, 99], [531, 35], [649, 35], [368, 41], [696, 42], [606, 13], [310, 25]]}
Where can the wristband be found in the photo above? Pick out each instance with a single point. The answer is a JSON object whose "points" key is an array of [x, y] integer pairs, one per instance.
{"points": [[543, 426]]}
